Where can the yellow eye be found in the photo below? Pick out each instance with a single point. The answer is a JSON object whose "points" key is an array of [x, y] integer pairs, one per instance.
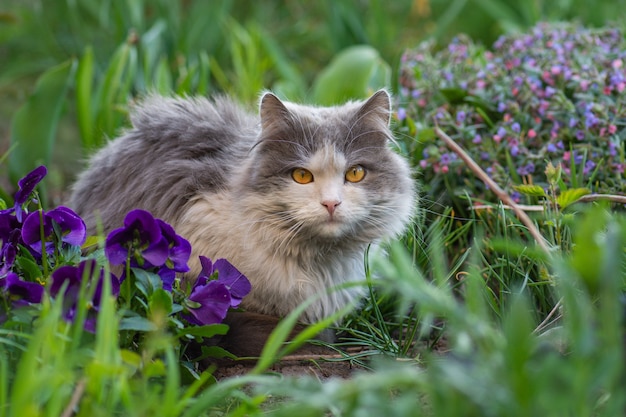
{"points": [[355, 173], [302, 176]]}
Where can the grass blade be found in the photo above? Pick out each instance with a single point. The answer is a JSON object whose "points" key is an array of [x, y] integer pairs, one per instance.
{"points": [[33, 128], [84, 90]]}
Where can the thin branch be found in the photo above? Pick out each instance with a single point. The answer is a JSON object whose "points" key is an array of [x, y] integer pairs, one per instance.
{"points": [[621, 199], [503, 196], [613, 198], [524, 207], [76, 396], [546, 321]]}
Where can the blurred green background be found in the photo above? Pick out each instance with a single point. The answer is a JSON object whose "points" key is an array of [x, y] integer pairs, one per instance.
{"points": [[101, 54]]}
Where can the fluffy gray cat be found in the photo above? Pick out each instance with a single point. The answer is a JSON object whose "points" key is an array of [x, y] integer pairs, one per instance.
{"points": [[292, 198]]}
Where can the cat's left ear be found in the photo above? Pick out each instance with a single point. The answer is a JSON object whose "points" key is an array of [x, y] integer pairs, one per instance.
{"points": [[377, 108], [272, 111]]}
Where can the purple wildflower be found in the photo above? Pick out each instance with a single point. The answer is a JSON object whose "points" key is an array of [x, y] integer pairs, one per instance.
{"points": [[589, 166]]}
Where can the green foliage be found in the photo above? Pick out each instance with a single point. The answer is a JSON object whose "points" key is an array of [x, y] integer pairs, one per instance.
{"points": [[33, 128], [362, 65], [517, 108]]}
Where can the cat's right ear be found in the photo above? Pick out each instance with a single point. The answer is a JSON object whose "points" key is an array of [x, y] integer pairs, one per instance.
{"points": [[273, 112]]}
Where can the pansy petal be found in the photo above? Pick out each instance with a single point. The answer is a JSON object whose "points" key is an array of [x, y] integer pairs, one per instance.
{"points": [[31, 229], [214, 300], [72, 226], [31, 292], [156, 254], [28, 184], [207, 267], [234, 280], [114, 248], [115, 289], [63, 274], [167, 277], [179, 248], [144, 223]]}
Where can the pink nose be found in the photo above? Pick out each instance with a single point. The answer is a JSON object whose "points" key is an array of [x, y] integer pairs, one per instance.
{"points": [[331, 205]]}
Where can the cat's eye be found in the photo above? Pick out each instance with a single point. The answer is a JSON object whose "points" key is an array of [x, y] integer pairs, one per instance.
{"points": [[302, 176], [355, 173]]}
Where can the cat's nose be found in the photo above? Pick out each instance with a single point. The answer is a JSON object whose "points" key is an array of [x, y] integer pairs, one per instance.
{"points": [[331, 205]]}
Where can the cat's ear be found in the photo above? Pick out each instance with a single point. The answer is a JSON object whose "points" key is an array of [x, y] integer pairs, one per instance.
{"points": [[377, 108], [273, 112]]}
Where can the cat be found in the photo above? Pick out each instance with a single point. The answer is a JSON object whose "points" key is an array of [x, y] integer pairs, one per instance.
{"points": [[291, 197]]}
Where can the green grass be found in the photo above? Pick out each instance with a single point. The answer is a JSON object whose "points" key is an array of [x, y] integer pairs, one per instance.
{"points": [[494, 364]]}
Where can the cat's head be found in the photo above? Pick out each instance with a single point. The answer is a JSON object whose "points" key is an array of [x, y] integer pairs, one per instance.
{"points": [[328, 173]]}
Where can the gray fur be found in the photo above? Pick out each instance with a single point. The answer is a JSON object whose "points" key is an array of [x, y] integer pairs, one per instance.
{"points": [[222, 178]]}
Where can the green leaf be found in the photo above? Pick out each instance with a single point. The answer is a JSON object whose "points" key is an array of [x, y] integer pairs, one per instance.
{"points": [[146, 282], [426, 135], [33, 128], [204, 74], [30, 269], [454, 95], [137, 323], [163, 77], [355, 73], [570, 196], [215, 352], [161, 302], [154, 368], [531, 190], [114, 90], [204, 331]]}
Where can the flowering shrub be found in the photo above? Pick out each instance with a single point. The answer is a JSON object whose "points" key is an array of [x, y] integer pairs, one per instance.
{"points": [[41, 257], [554, 95]]}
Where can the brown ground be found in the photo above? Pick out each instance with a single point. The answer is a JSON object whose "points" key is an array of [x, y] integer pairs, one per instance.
{"points": [[320, 366]]}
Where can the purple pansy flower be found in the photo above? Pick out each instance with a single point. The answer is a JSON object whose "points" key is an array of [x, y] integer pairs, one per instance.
{"points": [[21, 292], [140, 237], [208, 303], [151, 244], [72, 277], [70, 226], [211, 298], [235, 281]]}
